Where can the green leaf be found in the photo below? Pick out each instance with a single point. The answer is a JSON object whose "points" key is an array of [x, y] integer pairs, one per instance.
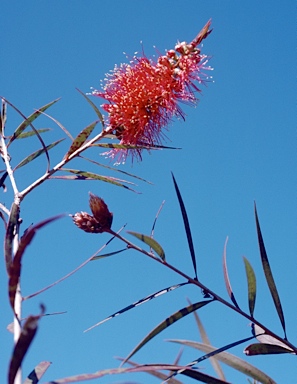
{"points": [[83, 175], [98, 257], [37, 373], [167, 322], [226, 277], [29, 121], [27, 335], [114, 169], [150, 242], [131, 146], [268, 274], [265, 349], [186, 224], [10, 232], [15, 265], [3, 116], [98, 113], [231, 360], [25, 135], [81, 139], [37, 153], [252, 286]]}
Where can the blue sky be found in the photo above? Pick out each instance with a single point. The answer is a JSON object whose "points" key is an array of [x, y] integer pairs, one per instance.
{"points": [[238, 146]]}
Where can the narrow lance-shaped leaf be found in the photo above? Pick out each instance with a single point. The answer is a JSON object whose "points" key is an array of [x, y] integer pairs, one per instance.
{"points": [[151, 242], [214, 362], [252, 287], [130, 146], [83, 175], [139, 302], [10, 231], [265, 338], [265, 349], [214, 353], [226, 277], [156, 373], [37, 373], [98, 257], [2, 116], [25, 135], [29, 121], [27, 334], [15, 265], [37, 153], [166, 323], [186, 224], [268, 274], [98, 113], [231, 360], [81, 139], [140, 368], [2, 180], [114, 169]]}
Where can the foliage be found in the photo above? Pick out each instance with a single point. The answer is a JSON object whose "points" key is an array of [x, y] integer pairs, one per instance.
{"points": [[180, 67]]}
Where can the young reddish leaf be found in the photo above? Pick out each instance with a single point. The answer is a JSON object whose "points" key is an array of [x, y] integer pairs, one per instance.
{"points": [[27, 334], [83, 175], [139, 302], [215, 352], [268, 274], [36, 154], [252, 286], [226, 277], [15, 265], [186, 224], [81, 139], [151, 242], [229, 359], [37, 373], [29, 121], [157, 374], [140, 368], [167, 322], [9, 235], [98, 113], [265, 349]]}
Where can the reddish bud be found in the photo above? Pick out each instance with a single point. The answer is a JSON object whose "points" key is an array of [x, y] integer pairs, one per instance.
{"points": [[100, 222], [100, 211]]}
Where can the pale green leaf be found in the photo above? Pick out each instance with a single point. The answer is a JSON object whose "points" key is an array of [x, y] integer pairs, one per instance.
{"points": [[150, 242]]}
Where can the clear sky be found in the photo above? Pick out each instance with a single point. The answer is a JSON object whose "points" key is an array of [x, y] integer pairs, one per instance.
{"points": [[238, 146]]}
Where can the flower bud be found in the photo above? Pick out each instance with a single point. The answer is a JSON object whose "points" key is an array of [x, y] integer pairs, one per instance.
{"points": [[100, 222], [87, 223]]}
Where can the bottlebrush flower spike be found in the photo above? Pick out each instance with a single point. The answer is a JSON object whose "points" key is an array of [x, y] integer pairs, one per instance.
{"points": [[100, 222], [143, 95]]}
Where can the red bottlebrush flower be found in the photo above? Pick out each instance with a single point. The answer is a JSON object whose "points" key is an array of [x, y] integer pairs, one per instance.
{"points": [[100, 222], [143, 96]]}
